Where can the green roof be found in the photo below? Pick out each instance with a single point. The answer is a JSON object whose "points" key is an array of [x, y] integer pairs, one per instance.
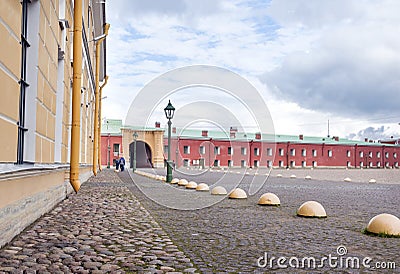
{"points": [[111, 126], [114, 127]]}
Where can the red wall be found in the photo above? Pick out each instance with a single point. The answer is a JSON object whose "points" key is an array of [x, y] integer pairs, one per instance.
{"points": [[109, 140], [338, 157]]}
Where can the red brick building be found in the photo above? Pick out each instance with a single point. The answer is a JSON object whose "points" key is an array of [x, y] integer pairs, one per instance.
{"points": [[202, 148], [205, 149]]}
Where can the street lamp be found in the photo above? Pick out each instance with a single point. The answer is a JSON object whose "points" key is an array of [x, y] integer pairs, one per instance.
{"points": [[169, 113], [135, 136]]}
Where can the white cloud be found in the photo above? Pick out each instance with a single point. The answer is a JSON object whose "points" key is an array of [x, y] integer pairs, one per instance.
{"points": [[311, 60]]}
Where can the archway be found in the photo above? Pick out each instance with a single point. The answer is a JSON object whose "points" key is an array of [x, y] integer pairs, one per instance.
{"points": [[143, 155]]}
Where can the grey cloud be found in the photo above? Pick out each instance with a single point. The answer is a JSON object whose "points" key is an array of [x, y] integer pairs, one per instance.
{"points": [[352, 69]]}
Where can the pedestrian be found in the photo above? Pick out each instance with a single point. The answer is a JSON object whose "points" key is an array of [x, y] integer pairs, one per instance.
{"points": [[122, 163], [117, 163]]}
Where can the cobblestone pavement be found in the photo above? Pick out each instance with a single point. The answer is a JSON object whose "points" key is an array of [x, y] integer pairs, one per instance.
{"points": [[232, 235], [103, 228]]}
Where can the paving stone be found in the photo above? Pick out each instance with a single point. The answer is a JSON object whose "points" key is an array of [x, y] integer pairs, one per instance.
{"points": [[103, 228]]}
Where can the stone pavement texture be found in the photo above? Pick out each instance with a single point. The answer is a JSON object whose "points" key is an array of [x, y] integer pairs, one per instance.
{"points": [[103, 228], [112, 226], [231, 235]]}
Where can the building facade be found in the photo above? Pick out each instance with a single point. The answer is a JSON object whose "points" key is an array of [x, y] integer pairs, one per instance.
{"points": [[36, 63], [204, 149], [210, 149]]}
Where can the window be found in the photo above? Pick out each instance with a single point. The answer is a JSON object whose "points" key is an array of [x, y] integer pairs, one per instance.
{"points": [[314, 153], [378, 155], [243, 163], [348, 164], [186, 149], [243, 150], [230, 151], [329, 153], [314, 163], [280, 163], [361, 154], [386, 155], [292, 152], [292, 163], [256, 163], [256, 151], [281, 152], [370, 154], [165, 149], [378, 164], [269, 163], [202, 150], [217, 150], [371, 164], [387, 164], [269, 151], [396, 164], [195, 162], [361, 164], [230, 163], [303, 152], [186, 162], [348, 153], [116, 149], [303, 164], [216, 163], [394, 155]]}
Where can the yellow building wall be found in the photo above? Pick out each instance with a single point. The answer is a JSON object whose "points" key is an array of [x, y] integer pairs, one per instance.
{"points": [[10, 69]]}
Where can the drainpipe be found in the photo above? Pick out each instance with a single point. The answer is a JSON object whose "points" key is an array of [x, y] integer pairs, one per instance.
{"points": [[76, 96], [97, 41], [99, 137]]}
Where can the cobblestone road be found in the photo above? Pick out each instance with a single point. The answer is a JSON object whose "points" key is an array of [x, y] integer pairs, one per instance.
{"points": [[231, 235], [101, 229], [111, 226]]}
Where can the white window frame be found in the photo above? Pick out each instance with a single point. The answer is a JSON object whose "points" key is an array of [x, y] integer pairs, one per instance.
{"points": [[202, 150], [186, 149], [243, 150], [304, 152], [330, 153], [256, 151]]}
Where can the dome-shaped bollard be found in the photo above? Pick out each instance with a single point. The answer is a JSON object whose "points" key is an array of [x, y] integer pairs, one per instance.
{"points": [[279, 175], [269, 199], [219, 190], [308, 177], [183, 182], [384, 224], [202, 187], [238, 193], [347, 179], [311, 209], [174, 181], [191, 185], [293, 176], [372, 181]]}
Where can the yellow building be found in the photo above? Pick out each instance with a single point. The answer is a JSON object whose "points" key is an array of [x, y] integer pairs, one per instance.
{"points": [[36, 64]]}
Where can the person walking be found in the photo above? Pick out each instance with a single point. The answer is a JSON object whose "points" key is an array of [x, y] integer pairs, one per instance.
{"points": [[122, 163]]}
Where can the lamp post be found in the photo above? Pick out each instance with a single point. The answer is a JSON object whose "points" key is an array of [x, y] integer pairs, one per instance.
{"points": [[108, 150], [169, 113], [135, 136]]}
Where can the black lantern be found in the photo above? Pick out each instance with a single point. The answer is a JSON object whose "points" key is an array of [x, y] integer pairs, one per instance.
{"points": [[169, 111]]}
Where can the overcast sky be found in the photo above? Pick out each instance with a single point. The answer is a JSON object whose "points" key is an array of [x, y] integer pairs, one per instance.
{"points": [[311, 60]]}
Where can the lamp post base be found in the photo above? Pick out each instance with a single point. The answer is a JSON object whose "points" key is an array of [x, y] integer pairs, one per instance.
{"points": [[169, 172]]}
